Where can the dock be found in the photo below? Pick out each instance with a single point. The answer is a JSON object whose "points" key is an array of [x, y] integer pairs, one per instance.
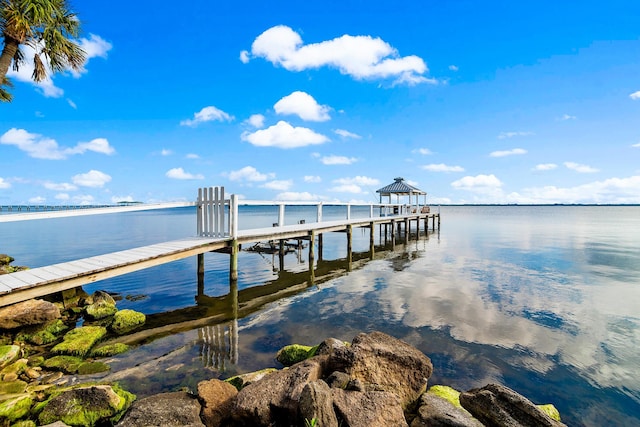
{"points": [[217, 231]]}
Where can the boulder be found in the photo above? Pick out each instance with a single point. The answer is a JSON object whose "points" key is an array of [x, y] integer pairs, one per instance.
{"points": [[216, 397], [103, 305], [6, 259], [292, 354], [26, 313], [79, 341], [127, 320], [327, 346], [387, 363], [177, 409], [316, 403], [86, 406], [9, 354], [368, 409], [275, 397], [435, 411], [243, 380], [497, 405]]}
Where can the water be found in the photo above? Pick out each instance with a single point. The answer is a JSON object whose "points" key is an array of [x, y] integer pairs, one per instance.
{"points": [[545, 300]]}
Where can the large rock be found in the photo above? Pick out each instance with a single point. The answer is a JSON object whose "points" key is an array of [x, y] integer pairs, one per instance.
{"points": [[275, 397], [387, 363], [86, 406], [368, 409], [178, 409], [316, 403], [217, 400], [497, 405], [434, 411], [31, 312]]}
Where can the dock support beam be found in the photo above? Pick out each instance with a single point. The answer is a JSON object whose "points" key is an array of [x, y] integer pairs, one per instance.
{"points": [[233, 264], [200, 274], [312, 257], [349, 246], [372, 250]]}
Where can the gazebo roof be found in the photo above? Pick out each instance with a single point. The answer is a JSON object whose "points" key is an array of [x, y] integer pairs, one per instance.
{"points": [[400, 187]]}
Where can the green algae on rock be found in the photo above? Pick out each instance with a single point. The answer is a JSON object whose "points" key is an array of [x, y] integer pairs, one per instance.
{"points": [[291, 354], [127, 320], [80, 340], [8, 354], [15, 408], [109, 350], [551, 411], [447, 393], [43, 335]]}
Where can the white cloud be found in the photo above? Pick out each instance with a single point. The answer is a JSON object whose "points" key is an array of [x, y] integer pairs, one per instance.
{"points": [[256, 120], [179, 173], [62, 186], [249, 173], [441, 167], [94, 47], [62, 196], [505, 153], [361, 57], [207, 114], [453, 67], [72, 104], [580, 168], [119, 199], [478, 183], [283, 135], [311, 178], [166, 152], [38, 200], [504, 135], [293, 196], [567, 117], [423, 151], [338, 160], [85, 199], [244, 57], [304, 106], [346, 134], [347, 188], [636, 145], [278, 185], [41, 147], [359, 180], [93, 178], [635, 95], [545, 167], [4, 184], [192, 156]]}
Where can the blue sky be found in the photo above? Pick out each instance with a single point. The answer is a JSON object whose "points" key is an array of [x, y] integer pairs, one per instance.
{"points": [[473, 102]]}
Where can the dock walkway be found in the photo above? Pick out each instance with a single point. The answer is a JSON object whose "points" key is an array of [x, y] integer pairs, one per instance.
{"points": [[217, 229]]}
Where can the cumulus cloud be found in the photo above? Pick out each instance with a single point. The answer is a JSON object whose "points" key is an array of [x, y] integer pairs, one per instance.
{"points": [[93, 178], [441, 167], [207, 114], [423, 151], [361, 57], [255, 120], [304, 106], [279, 185], [337, 160], [505, 153], [4, 184], [505, 135], [38, 200], [635, 95], [61, 186], [346, 134], [283, 135], [311, 178], [166, 152], [248, 173], [294, 196], [41, 147], [580, 168], [478, 183], [94, 47], [179, 173], [244, 57], [545, 167]]}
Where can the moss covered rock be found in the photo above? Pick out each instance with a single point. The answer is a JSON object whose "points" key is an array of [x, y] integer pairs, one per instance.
{"points": [[291, 354], [127, 320], [100, 310], [80, 340], [447, 393], [16, 407], [8, 354], [12, 387], [109, 350], [67, 364], [43, 335], [88, 368], [550, 410]]}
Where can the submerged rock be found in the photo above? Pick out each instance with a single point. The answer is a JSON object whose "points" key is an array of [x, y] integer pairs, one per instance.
{"points": [[177, 409], [79, 341], [126, 320]]}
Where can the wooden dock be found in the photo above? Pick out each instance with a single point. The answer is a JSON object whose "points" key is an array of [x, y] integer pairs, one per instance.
{"points": [[217, 224]]}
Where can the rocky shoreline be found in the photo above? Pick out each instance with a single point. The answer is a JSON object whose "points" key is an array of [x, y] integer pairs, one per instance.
{"points": [[376, 380]]}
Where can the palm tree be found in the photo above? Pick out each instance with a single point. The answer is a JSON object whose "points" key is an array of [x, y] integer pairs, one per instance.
{"points": [[47, 26]]}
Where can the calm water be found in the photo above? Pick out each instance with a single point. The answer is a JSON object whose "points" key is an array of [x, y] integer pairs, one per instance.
{"points": [[545, 300]]}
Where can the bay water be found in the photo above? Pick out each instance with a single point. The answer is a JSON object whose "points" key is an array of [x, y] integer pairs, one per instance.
{"points": [[542, 299]]}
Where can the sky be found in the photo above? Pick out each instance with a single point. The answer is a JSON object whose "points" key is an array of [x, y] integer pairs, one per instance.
{"points": [[471, 101]]}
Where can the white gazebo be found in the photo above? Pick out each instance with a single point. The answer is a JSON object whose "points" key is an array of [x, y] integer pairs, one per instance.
{"points": [[400, 188]]}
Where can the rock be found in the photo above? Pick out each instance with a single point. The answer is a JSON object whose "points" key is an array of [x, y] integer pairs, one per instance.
{"points": [[86, 406], [6, 259], [109, 350], [57, 424], [216, 397], [448, 393], [16, 407], [327, 346], [31, 312], [275, 397], [80, 340], [177, 409], [387, 363], [338, 380], [316, 403], [100, 310], [435, 411], [8, 354], [102, 297], [243, 380], [126, 320], [292, 354], [497, 405], [42, 334], [368, 409]]}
